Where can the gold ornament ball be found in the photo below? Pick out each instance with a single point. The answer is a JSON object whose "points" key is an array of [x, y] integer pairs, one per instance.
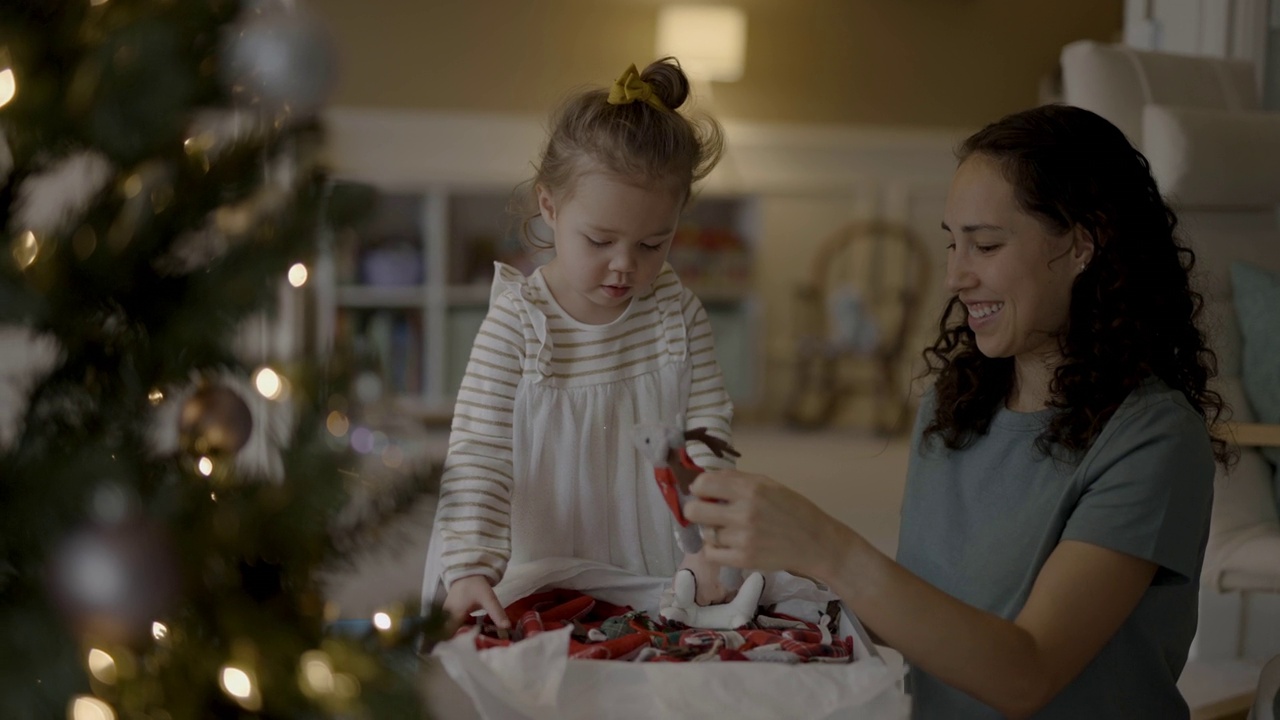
{"points": [[215, 421]]}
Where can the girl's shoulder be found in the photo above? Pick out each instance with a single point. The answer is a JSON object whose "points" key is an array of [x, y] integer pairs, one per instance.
{"points": [[508, 280], [673, 295], [512, 290]]}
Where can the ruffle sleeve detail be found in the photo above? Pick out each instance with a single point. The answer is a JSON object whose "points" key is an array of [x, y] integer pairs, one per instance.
{"points": [[509, 281]]}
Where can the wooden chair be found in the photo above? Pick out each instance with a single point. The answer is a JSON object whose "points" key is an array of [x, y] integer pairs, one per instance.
{"points": [[880, 272]]}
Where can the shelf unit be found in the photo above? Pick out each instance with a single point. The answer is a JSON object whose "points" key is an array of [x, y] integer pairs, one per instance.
{"points": [[408, 285]]}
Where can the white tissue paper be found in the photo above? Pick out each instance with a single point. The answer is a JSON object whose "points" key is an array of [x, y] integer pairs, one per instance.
{"points": [[535, 680]]}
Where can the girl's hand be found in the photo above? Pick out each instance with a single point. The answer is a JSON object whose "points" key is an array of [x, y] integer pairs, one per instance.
{"points": [[473, 592], [755, 522]]}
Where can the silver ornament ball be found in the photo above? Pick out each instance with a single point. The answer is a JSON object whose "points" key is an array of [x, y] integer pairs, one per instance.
{"points": [[280, 58]]}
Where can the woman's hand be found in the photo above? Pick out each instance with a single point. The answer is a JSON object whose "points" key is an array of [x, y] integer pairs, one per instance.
{"points": [[471, 593], [706, 573], [755, 522]]}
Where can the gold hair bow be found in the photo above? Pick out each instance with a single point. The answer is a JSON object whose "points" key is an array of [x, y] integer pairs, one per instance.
{"points": [[630, 88]]}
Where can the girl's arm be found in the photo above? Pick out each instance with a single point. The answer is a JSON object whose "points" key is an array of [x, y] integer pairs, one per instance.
{"points": [[474, 512], [1080, 599], [708, 404]]}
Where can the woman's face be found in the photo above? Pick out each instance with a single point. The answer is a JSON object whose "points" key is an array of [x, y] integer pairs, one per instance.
{"points": [[1013, 275]]}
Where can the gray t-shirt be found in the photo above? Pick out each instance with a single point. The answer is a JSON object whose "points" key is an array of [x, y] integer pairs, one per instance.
{"points": [[980, 522]]}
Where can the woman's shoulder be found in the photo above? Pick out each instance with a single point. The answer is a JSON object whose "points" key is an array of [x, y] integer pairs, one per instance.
{"points": [[1153, 398], [1155, 415]]}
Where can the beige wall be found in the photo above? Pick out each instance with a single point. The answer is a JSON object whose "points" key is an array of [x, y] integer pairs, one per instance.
{"points": [[883, 62]]}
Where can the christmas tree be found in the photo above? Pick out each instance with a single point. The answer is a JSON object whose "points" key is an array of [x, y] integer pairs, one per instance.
{"points": [[159, 178]]}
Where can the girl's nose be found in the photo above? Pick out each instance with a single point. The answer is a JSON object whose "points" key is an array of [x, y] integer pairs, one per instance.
{"points": [[623, 261]]}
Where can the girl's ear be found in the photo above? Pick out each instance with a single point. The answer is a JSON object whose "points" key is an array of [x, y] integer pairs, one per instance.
{"points": [[546, 204]]}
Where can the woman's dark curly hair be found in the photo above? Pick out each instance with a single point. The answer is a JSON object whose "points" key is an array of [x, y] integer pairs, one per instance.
{"points": [[1133, 313]]}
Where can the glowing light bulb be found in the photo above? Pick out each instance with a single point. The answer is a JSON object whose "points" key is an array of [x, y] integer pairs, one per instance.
{"points": [[268, 383], [84, 707], [8, 86], [26, 248], [132, 185], [205, 466], [316, 673], [155, 396], [298, 275], [159, 631], [102, 666], [382, 621], [239, 685], [337, 424], [236, 682]]}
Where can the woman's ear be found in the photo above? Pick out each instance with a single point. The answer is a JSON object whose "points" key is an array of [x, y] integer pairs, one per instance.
{"points": [[1082, 248], [546, 204]]}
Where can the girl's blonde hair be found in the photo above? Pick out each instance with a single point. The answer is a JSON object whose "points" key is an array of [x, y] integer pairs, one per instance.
{"points": [[634, 140]]}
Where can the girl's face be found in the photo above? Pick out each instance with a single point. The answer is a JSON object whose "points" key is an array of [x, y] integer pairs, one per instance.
{"points": [[1013, 275], [611, 238]]}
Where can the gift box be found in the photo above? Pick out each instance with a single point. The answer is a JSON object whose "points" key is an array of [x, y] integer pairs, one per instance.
{"points": [[535, 679]]}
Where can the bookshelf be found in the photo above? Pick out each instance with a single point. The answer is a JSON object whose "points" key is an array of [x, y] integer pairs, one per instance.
{"points": [[407, 287]]}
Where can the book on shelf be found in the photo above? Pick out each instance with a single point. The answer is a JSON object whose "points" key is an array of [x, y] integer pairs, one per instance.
{"points": [[389, 341]]}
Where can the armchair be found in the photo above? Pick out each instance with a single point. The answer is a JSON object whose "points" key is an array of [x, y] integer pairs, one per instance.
{"points": [[1214, 153]]}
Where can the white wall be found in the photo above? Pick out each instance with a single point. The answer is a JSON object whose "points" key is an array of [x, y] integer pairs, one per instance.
{"points": [[1219, 28]]}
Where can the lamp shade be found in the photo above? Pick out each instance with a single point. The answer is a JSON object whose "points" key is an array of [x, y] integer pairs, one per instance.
{"points": [[710, 41]]}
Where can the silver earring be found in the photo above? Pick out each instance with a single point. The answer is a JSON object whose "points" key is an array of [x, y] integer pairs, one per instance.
{"points": [[1083, 266]]}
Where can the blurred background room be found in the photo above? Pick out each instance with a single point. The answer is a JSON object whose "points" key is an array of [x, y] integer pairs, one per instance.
{"points": [[815, 244]]}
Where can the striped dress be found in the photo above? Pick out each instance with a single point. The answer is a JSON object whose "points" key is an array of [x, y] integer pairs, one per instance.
{"points": [[541, 462]]}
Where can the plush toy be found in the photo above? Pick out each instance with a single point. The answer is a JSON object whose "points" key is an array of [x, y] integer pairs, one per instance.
{"points": [[725, 616], [664, 447]]}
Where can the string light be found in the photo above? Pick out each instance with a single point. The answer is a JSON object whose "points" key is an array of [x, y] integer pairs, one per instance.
{"points": [[8, 81], [84, 707], [205, 466], [159, 631], [102, 666], [238, 684], [382, 621], [298, 275], [156, 396], [337, 424], [25, 249], [315, 674], [197, 144], [197, 148], [132, 186], [268, 383]]}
